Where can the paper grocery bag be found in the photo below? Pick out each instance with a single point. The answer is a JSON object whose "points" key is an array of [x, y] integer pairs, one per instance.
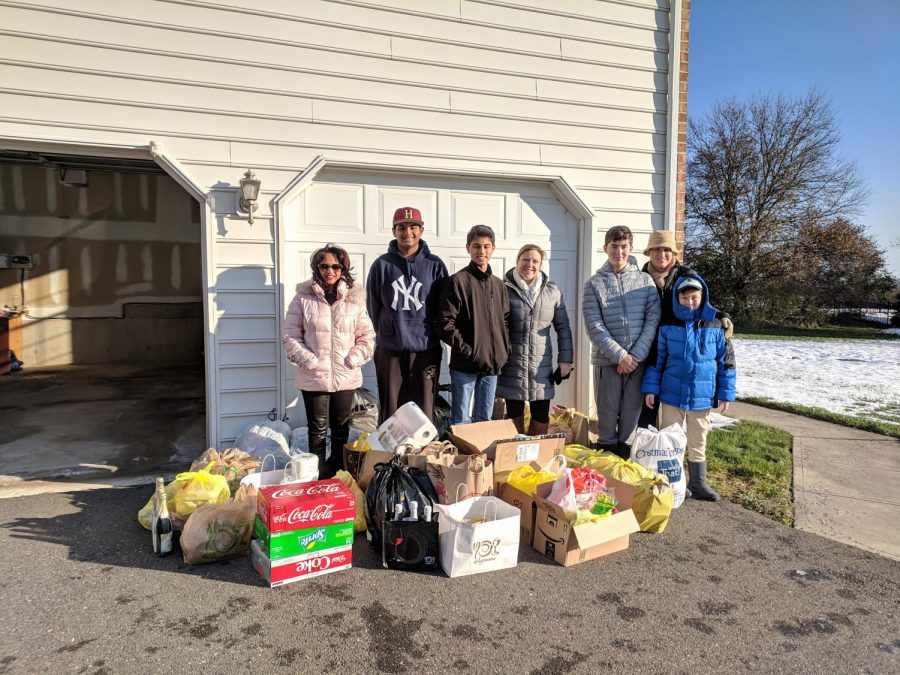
{"points": [[457, 477], [435, 449], [367, 468], [584, 430], [480, 534]]}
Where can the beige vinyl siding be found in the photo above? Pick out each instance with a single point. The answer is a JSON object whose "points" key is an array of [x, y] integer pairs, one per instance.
{"points": [[576, 88]]}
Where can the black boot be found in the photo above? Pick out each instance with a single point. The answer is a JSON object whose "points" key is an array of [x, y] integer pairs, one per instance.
{"points": [[697, 485], [623, 450], [339, 436]]}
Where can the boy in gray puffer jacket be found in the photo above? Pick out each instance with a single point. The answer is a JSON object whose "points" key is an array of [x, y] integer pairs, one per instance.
{"points": [[621, 313]]}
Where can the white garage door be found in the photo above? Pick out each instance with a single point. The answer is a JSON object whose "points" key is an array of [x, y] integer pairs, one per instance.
{"points": [[355, 211]]}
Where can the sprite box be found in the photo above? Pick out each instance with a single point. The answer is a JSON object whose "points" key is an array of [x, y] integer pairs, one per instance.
{"points": [[302, 542]]}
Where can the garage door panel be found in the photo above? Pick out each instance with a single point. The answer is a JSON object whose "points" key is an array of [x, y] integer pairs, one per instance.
{"points": [[334, 208], [240, 353], [390, 199], [474, 208], [547, 219]]}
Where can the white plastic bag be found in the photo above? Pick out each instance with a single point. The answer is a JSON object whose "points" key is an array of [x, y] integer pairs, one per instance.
{"points": [[662, 452], [299, 440], [364, 412], [563, 492], [266, 437]]}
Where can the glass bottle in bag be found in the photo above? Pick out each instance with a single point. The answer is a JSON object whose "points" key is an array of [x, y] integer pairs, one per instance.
{"points": [[162, 524]]}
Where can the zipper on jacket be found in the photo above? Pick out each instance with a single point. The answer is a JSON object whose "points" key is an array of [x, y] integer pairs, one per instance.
{"points": [[624, 311], [331, 323]]}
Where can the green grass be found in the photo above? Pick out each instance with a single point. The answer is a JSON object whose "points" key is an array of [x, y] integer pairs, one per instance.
{"points": [[826, 333], [887, 425], [751, 464]]}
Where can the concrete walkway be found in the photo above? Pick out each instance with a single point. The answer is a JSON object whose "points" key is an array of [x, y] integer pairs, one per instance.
{"points": [[846, 482]]}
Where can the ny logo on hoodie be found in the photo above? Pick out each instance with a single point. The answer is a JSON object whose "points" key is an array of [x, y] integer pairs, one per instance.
{"points": [[410, 293]]}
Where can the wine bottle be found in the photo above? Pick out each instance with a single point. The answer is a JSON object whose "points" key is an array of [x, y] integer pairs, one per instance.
{"points": [[162, 524]]}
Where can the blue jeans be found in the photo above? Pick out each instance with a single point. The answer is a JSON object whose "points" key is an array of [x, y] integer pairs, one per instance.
{"points": [[462, 387]]}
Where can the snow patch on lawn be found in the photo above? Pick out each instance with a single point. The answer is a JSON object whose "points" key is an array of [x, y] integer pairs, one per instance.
{"points": [[856, 377]]}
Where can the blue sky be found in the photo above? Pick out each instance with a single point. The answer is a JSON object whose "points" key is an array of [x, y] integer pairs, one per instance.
{"points": [[849, 49]]}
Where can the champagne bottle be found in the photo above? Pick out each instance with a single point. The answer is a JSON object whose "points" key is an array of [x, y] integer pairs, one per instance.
{"points": [[162, 524]]}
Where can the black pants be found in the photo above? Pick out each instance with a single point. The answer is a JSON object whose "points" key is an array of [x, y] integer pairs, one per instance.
{"points": [[326, 410], [540, 410], [404, 377]]}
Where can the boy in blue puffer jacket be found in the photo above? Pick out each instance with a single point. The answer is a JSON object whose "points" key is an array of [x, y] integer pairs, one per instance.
{"points": [[694, 372]]}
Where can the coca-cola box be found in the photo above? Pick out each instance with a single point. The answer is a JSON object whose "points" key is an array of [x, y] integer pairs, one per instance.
{"points": [[280, 572], [302, 505]]}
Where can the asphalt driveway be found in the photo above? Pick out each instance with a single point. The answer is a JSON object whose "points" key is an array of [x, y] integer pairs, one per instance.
{"points": [[722, 589]]}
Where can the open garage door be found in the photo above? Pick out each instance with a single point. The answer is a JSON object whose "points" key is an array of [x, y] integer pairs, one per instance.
{"points": [[108, 315]]}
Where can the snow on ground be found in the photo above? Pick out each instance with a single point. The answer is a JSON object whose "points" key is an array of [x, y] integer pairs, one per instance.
{"points": [[853, 377]]}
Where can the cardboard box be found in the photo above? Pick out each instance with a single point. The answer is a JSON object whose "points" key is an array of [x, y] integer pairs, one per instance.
{"points": [[286, 571], [302, 542], [304, 505], [526, 504], [571, 544], [495, 439]]}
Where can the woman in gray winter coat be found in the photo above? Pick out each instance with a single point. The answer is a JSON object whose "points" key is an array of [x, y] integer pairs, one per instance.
{"points": [[535, 304]]}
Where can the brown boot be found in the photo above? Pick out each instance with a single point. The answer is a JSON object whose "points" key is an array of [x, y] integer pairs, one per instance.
{"points": [[537, 428], [520, 424]]}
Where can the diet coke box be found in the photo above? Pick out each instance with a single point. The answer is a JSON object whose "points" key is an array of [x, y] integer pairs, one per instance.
{"points": [[303, 505], [281, 572]]}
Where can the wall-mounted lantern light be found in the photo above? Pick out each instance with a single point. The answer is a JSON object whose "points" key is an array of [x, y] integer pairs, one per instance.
{"points": [[249, 194]]}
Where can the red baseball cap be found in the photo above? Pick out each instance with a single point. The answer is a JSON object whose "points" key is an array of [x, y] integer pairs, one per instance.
{"points": [[407, 214]]}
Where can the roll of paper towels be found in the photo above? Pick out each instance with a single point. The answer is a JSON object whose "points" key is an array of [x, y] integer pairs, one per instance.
{"points": [[304, 466], [409, 425]]}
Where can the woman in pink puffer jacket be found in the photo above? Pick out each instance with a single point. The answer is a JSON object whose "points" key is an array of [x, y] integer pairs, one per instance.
{"points": [[328, 335]]}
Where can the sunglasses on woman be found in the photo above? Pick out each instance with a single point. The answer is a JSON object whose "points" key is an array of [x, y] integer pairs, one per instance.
{"points": [[334, 267]]}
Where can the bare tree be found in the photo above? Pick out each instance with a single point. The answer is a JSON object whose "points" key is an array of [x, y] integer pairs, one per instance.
{"points": [[757, 171]]}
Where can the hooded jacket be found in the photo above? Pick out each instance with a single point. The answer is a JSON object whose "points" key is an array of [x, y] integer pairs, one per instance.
{"points": [[471, 318], [621, 313], [694, 366], [526, 375], [401, 295], [328, 343]]}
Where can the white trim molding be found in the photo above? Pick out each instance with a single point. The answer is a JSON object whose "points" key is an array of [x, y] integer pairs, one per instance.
{"points": [[674, 99]]}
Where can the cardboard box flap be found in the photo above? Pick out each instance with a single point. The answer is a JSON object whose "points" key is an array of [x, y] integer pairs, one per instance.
{"points": [[477, 438], [617, 525], [524, 451], [624, 492]]}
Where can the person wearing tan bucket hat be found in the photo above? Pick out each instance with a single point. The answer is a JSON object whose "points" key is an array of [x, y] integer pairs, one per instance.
{"points": [[665, 269]]}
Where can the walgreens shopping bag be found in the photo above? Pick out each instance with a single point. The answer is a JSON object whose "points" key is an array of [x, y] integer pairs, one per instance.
{"points": [[480, 534]]}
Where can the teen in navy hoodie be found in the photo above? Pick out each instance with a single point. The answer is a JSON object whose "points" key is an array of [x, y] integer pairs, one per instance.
{"points": [[401, 293]]}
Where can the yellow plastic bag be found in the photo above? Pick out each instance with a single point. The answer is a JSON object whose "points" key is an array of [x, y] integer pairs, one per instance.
{"points": [[146, 514], [526, 478], [198, 488], [652, 503], [613, 466], [577, 454], [359, 523]]}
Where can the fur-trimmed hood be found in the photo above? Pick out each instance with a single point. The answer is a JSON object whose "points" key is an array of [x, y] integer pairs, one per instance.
{"points": [[355, 293]]}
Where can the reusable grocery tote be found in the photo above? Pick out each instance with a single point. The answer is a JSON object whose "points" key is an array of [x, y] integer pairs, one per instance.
{"points": [[662, 452], [480, 534]]}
